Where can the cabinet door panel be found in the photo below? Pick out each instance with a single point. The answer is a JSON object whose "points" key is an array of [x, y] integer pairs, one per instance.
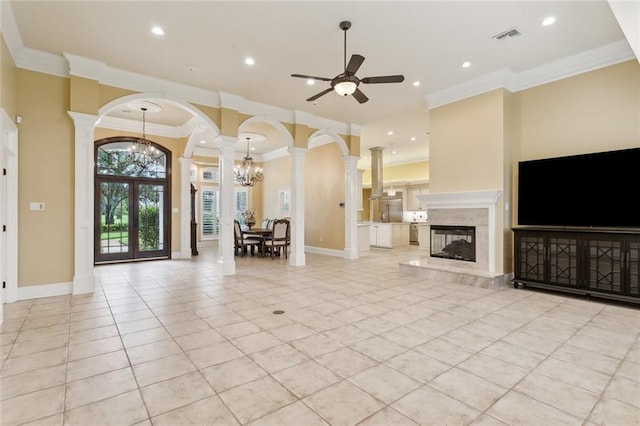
{"points": [[604, 264], [530, 257], [633, 285], [563, 260]]}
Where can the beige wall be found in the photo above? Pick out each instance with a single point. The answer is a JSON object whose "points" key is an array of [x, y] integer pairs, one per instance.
{"points": [[277, 177], [45, 174], [324, 191], [418, 171], [596, 111], [466, 144]]}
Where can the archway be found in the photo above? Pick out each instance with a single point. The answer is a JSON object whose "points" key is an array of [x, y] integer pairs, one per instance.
{"points": [[84, 278]]}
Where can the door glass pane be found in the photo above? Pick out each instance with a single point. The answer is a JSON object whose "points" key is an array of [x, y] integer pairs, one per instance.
{"points": [[122, 159], [150, 217], [114, 217], [210, 213]]}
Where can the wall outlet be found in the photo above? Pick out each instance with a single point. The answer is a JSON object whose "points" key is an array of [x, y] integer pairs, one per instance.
{"points": [[36, 206]]}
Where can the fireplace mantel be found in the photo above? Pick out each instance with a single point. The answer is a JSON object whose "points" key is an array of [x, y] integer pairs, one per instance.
{"points": [[461, 200]]}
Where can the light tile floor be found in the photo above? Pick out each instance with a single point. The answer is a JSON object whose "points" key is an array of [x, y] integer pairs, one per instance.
{"points": [[175, 342]]}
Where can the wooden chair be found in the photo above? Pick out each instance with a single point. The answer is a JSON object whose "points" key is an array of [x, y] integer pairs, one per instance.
{"points": [[279, 238], [242, 243]]}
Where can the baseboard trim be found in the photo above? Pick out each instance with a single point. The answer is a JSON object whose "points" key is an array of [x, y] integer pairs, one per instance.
{"points": [[325, 251], [44, 290]]}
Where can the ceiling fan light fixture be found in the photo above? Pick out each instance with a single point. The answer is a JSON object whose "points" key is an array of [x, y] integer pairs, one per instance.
{"points": [[345, 86]]}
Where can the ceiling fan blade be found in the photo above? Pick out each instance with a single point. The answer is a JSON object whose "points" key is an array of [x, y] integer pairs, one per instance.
{"points": [[383, 79], [324, 92], [360, 97], [354, 64], [310, 76]]}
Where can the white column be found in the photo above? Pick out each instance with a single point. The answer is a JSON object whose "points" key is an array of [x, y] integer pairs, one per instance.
{"points": [[225, 244], [351, 207], [297, 257], [83, 277], [185, 207]]}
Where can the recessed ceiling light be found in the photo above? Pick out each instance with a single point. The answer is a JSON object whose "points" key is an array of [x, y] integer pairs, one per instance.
{"points": [[157, 30], [390, 132], [466, 64], [253, 148], [203, 141], [394, 152], [550, 20], [416, 83], [249, 61], [413, 138], [311, 82]]}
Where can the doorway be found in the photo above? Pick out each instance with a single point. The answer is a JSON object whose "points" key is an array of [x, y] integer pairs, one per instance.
{"points": [[132, 200]]}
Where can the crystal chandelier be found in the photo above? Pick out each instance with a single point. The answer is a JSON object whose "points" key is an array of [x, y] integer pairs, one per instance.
{"points": [[247, 174], [143, 145]]}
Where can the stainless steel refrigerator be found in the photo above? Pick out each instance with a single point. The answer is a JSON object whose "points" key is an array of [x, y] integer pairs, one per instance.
{"points": [[389, 209]]}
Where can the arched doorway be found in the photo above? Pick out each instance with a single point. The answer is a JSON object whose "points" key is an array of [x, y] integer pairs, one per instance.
{"points": [[132, 200]]}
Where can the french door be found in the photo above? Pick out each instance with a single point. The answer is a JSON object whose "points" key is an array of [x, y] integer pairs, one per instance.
{"points": [[132, 219]]}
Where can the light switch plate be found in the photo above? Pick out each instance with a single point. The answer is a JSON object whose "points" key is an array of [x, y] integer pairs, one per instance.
{"points": [[37, 206]]}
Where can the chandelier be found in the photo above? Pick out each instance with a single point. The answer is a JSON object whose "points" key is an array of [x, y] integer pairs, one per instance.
{"points": [[142, 145], [247, 174]]}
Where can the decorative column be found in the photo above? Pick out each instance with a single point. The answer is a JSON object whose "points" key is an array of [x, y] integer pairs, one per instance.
{"points": [[225, 243], [83, 277], [350, 207], [297, 257], [185, 207]]}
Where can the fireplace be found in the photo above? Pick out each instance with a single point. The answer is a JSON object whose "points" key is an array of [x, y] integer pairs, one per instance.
{"points": [[453, 242]]}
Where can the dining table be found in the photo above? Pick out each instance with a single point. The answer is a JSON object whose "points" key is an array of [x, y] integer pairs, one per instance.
{"points": [[262, 233]]}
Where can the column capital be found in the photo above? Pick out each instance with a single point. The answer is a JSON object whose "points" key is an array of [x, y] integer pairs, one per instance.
{"points": [[296, 150], [223, 141], [82, 119]]}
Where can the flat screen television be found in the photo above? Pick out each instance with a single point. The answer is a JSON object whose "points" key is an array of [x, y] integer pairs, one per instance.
{"points": [[599, 190]]}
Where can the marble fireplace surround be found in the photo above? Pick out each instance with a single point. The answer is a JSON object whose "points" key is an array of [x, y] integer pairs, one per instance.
{"points": [[477, 208]]}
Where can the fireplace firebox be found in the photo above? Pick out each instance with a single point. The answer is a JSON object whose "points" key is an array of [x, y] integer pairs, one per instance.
{"points": [[453, 242]]}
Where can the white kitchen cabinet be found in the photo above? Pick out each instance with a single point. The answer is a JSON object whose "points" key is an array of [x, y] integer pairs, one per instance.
{"points": [[380, 235], [389, 235], [413, 202]]}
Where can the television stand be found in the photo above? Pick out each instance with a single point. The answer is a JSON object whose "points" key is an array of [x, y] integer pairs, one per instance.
{"points": [[592, 262]]}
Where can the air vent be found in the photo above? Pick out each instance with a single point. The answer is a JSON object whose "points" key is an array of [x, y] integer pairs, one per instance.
{"points": [[507, 35]]}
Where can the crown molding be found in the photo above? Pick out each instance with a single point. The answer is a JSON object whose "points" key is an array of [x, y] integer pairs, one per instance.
{"points": [[476, 86], [38, 61], [589, 60]]}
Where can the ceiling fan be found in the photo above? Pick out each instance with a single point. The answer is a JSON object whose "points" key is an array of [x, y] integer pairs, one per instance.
{"points": [[346, 83]]}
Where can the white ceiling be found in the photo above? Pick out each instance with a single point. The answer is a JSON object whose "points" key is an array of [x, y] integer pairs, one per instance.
{"points": [[206, 43]]}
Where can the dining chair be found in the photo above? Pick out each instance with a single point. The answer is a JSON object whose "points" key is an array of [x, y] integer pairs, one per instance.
{"points": [[241, 243], [279, 238]]}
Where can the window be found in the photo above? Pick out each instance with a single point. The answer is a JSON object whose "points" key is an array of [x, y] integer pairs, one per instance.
{"points": [[210, 174], [285, 202], [210, 213]]}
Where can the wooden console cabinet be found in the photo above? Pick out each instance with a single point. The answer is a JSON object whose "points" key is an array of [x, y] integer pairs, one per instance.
{"points": [[602, 263]]}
